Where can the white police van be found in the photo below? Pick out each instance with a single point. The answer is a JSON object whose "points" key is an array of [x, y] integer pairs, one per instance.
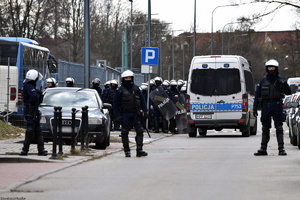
{"points": [[294, 84], [220, 94]]}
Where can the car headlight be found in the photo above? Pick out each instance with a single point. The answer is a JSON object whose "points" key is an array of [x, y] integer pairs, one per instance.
{"points": [[95, 121], [43, 120]]}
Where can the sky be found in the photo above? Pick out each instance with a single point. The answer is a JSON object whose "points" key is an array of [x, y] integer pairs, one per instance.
{"points": [[181, 14]]}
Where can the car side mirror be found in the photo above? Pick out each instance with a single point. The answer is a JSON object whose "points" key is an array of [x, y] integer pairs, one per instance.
{"points": [[292, 104], [106, 106]]}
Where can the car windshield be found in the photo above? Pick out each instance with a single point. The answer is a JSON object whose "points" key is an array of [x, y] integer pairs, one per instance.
{"points": [[70, 99]]}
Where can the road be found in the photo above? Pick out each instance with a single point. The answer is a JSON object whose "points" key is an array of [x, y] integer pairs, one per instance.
{"points": [[218, 166]]}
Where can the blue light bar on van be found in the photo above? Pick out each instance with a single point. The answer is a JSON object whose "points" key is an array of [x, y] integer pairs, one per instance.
{"points": [[226, 65], [204, 65]]}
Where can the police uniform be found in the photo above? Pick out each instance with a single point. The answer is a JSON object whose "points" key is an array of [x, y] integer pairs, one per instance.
{"points": [[159, 121], [32, 99], [109, 98], [174, 96], [269, 94], [128, 101], [105, 91]]}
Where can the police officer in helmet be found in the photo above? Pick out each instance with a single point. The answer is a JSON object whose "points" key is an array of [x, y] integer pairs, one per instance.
{"points": [[109, 98], [96, 86], [51, 82], [70, 82], [32, 99], [269, 94], [129, 106]]}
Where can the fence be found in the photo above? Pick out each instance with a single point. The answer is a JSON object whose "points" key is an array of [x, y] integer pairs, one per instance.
{"points": [[76, 71], [10, 94]]}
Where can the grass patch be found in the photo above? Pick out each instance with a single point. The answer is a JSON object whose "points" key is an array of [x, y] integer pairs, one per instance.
{"points": [[8, 131]]}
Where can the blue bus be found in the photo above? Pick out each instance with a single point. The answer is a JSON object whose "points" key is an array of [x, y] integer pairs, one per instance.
{"points": [[17, 56]]}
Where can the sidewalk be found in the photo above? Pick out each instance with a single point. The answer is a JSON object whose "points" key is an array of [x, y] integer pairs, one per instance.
{"points": [[16, 170]]}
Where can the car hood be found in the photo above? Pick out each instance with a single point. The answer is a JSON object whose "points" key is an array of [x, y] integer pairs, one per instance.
{"points": [[67, 112]]}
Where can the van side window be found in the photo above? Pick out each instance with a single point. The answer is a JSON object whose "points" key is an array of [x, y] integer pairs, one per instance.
{"points": [[210, 82], [249, 82]]}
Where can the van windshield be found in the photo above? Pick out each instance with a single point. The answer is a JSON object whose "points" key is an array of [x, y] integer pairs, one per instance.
{"points": [[209, 82]]}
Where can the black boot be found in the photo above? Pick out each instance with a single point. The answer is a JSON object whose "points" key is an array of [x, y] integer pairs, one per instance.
{"points": [[43, 152], [156, 124], [140, 153], [125, 141], [40, 142], [264, 142], [127, 154], [282, 152], [165, 126], [139, 144], [23, 153], [279, 136], [29, 134], [261, 152]]}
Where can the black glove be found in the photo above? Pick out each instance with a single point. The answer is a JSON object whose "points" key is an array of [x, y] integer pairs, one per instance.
{"points": [[255, 113]]}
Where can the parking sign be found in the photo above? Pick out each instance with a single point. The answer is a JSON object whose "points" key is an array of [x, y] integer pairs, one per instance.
{"points": [[150, 56]]}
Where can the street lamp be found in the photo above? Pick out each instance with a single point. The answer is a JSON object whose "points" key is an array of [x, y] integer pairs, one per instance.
{"points": [[223, 35], [212, 26], [160, 48], [234, 36], [194, 47], [173, 59], [131, 2], [183, 55]]}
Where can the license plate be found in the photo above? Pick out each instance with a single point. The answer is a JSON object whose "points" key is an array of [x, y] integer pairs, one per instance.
{"points": [[202, 116], [68, 129]]}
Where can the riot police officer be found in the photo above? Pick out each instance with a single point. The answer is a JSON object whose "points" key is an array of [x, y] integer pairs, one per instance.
{"points": [[269, 94], [105, 90], [166, 84], [174, 96], [109, 98], [51, 82], [159, 121], [128, 104], [32, 99], [70, 82], [96, 86]]}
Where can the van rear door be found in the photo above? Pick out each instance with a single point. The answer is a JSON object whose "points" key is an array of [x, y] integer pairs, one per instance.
{"points": [[228, 89], [215, 91], [8, 88], [202, 98]]}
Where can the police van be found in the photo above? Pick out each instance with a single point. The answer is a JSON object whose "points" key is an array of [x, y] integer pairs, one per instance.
{"points": [[294, 84], [220, 94]]}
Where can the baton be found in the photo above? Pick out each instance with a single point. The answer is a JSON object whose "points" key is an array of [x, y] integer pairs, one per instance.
{"points": [[143, 124]]}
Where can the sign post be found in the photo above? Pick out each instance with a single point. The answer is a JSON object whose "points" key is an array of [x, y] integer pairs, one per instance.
{"points": [[149, 61]]}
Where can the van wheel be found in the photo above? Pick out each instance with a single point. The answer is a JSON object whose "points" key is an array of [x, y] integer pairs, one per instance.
{"points": [[202, 131], [192, 131], [253, 130], [246, 131]]}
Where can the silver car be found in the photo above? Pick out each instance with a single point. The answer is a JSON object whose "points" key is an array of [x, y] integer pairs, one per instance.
{"points": [[68, 98]]}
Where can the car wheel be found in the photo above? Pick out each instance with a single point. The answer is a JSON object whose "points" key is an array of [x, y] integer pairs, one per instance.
{"points": [[293, 137], [246, 131], [253, 130], [202, 131], [101, 145], [298, 139]]}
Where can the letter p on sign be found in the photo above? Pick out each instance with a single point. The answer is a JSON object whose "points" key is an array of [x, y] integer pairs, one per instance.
{"points": [[150, 56]]}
